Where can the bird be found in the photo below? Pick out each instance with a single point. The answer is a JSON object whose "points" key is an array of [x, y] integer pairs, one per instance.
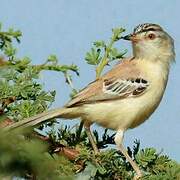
{"points": [[126, 96]]}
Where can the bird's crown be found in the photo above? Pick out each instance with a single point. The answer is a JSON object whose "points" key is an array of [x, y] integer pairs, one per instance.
{"points": [[147, 27]]}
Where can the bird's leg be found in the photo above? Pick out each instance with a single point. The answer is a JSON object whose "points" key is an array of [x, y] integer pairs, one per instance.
{"points": [[91, 138], [118, 140]]}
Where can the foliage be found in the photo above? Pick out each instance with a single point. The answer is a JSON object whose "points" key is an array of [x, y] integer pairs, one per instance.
{"points": [[65, 153], [101, 54], [21, 94]]}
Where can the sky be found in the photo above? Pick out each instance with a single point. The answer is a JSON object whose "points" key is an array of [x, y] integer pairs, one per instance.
{"points": [[67, 28]]}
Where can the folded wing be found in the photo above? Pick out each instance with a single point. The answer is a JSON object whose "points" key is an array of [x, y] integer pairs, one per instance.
{"points": [[123, 81]]}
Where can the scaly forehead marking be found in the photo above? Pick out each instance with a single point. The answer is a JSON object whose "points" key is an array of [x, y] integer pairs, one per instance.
{"points": [[146, 27]]}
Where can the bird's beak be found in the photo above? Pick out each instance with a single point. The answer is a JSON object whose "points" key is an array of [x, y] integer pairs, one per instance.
{"points": [[130, 37], [127, 37]]}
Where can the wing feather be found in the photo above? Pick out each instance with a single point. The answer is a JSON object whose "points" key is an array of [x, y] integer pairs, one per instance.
{"points": [[124, 80], [130, 87]]}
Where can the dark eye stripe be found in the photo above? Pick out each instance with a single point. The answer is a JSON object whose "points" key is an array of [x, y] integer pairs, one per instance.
{"points": [[146, 27], [150, 29]]}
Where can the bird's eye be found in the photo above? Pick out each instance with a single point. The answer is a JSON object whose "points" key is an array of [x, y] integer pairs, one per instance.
{"points": [[151, 36]]}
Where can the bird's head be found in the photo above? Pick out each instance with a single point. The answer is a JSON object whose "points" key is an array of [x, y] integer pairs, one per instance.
{"points": [[151, 42]]}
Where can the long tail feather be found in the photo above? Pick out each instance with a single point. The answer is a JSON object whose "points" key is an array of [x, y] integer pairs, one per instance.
{"points": [[45, 116]]}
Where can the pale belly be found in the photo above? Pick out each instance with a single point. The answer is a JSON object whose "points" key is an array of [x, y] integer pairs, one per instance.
{"points": [[124, 113], [132, 111]]}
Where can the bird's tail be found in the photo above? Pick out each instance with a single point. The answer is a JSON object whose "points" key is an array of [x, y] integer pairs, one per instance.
{"points": [[67, 113]]}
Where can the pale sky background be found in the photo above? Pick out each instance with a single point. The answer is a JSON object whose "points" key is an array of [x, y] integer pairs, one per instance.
{"points": [[68, 27]]}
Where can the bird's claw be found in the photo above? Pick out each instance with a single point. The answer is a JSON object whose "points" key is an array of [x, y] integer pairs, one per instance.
{"points": [[137, 176]]}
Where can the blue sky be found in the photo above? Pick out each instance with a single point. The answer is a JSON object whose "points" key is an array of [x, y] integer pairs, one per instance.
{"points": [[67, 28]]}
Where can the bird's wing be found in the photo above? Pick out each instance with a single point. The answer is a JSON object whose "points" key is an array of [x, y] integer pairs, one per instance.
{"points": [[125, 80]]}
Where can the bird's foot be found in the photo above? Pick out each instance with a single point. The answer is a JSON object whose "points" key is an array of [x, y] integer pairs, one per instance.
{"points": [[138, 175]]}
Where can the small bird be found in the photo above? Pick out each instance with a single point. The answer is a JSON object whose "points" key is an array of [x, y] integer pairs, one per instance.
{"points": [[127, 95]]}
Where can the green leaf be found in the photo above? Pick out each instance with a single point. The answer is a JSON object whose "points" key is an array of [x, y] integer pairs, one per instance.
{"points": [[146, 156], [93, 57], [101, 169], [9, 50], [117, 33], [52, 58], [99, 44]]}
